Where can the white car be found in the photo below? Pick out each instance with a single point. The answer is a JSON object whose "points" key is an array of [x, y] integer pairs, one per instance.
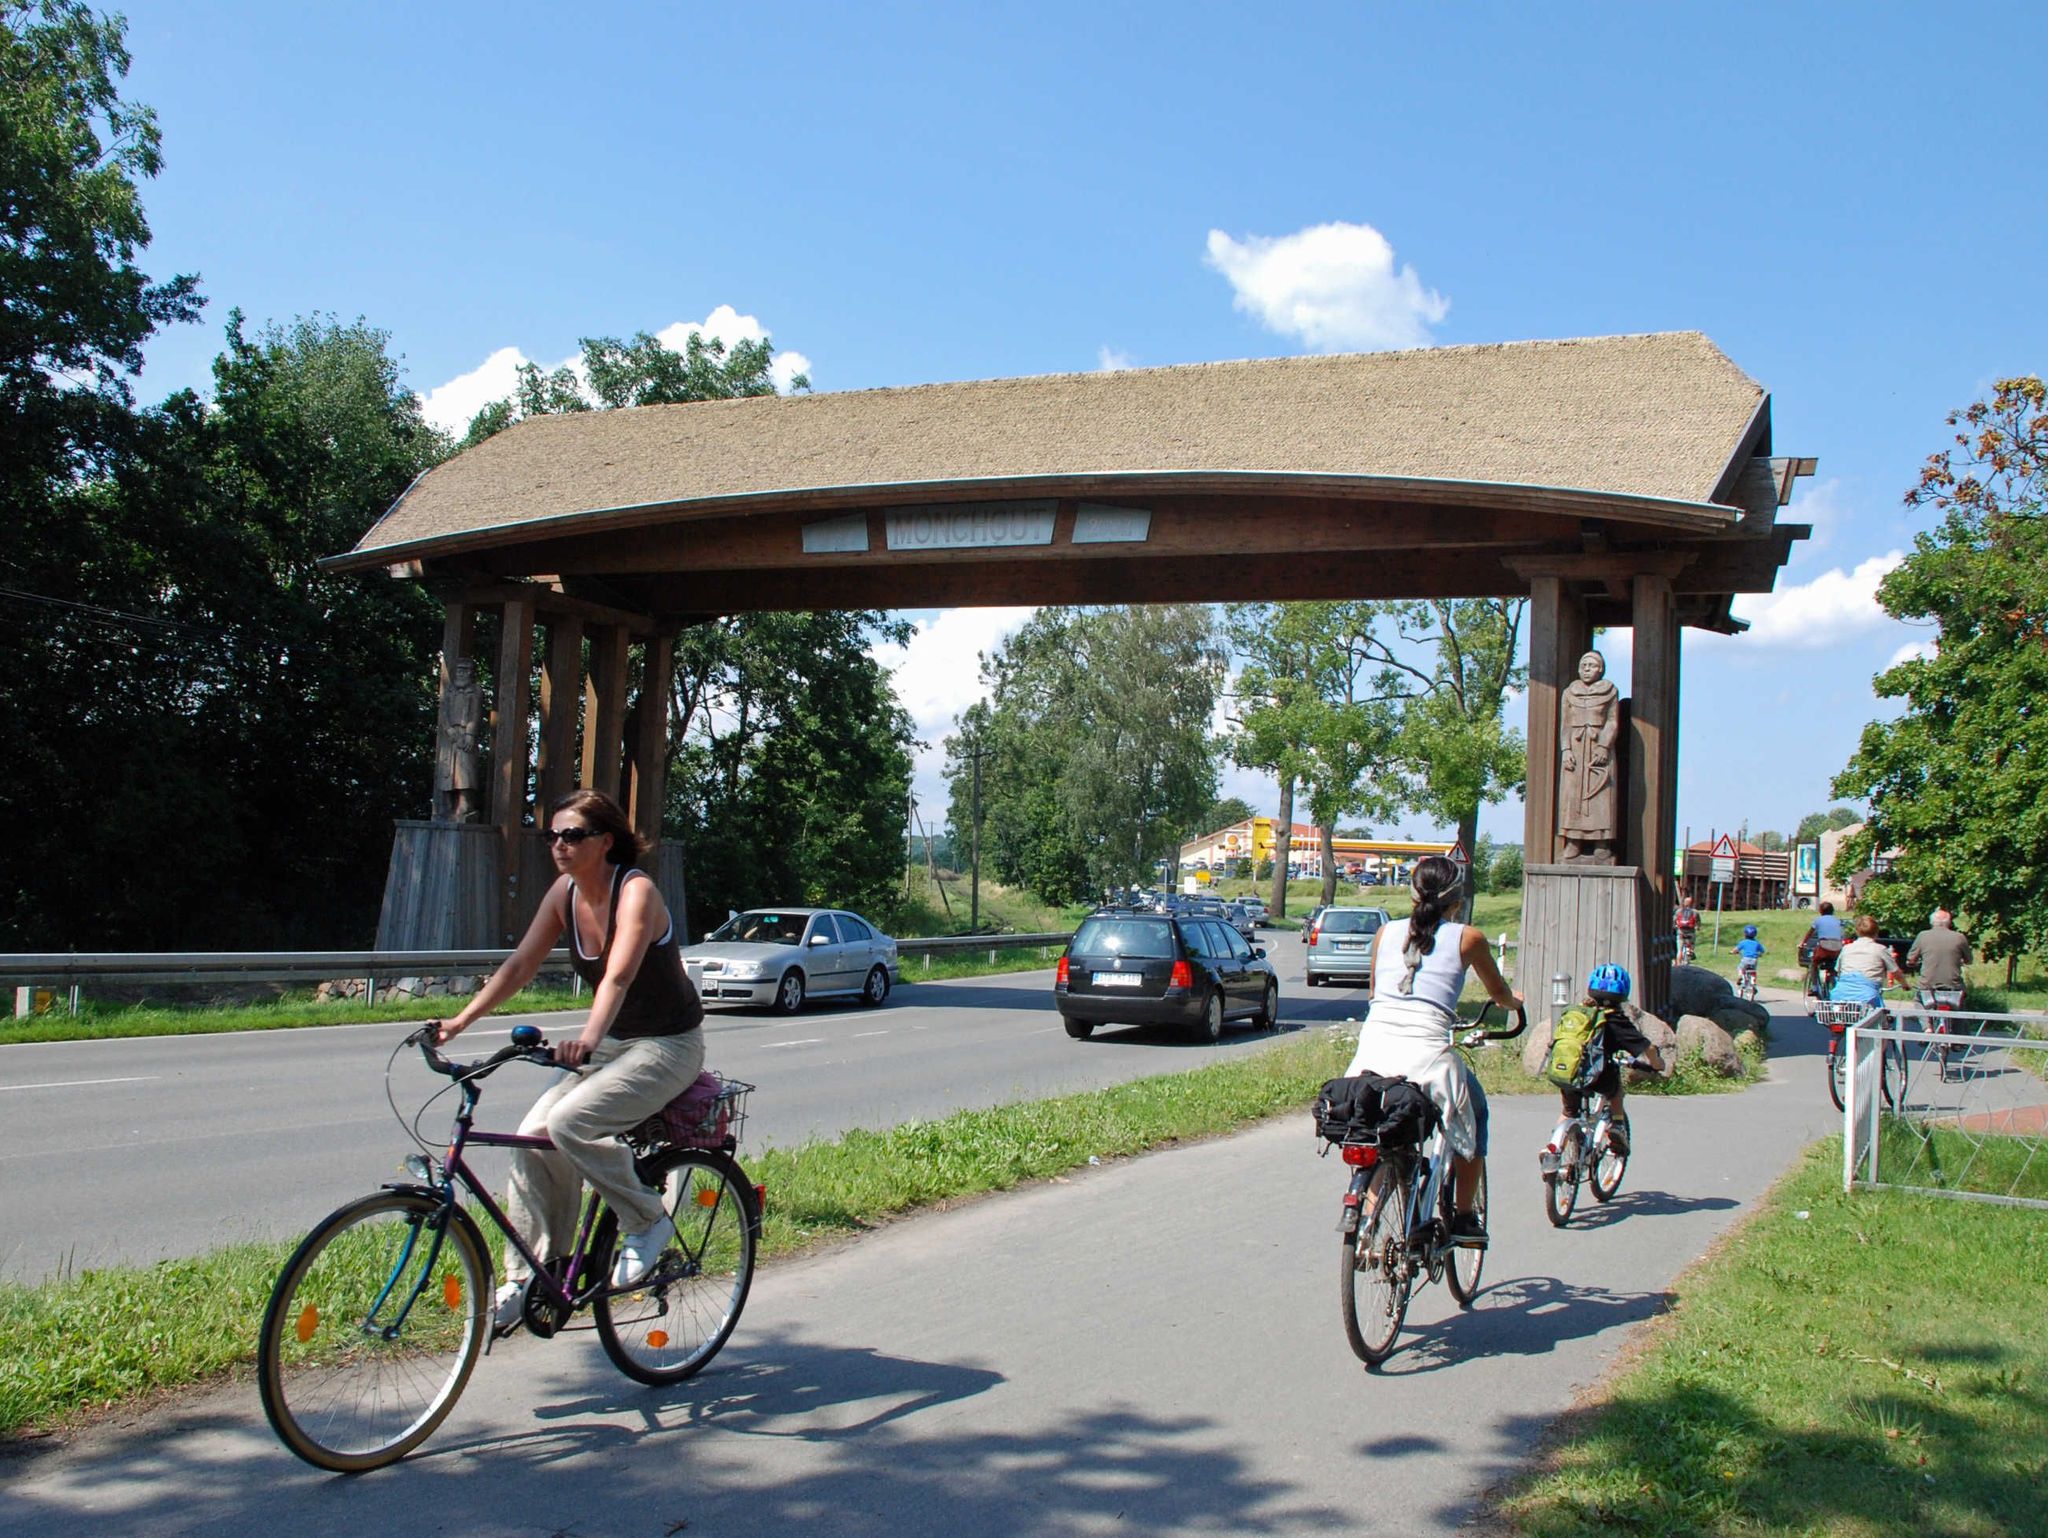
{"points": [[781, 956]]}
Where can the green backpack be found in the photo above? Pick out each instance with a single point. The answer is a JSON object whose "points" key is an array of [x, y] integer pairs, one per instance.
{"points": [[1575, 1055]]}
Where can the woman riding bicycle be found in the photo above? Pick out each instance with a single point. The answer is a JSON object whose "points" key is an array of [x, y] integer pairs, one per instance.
{"points": [[1867, 966], [1418, 972], [640, 1047]]}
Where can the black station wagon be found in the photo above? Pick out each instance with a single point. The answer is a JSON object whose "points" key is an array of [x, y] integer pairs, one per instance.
{"points": [[1129, 968]]}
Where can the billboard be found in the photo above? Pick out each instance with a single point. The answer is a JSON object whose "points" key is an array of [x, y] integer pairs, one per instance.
{"points": [[1806, 870]]}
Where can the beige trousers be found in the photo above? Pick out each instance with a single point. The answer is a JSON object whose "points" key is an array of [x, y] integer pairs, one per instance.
{"points": [[622, 1084]]}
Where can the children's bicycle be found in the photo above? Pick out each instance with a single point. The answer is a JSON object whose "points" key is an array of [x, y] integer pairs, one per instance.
{"points": [[1838, 1015], [1396, 1225], [1584, 1148], [379, 1316], [1745, 982]]}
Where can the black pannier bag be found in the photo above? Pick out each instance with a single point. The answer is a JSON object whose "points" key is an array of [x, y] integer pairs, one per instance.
{"points": [[1368, 1108]]}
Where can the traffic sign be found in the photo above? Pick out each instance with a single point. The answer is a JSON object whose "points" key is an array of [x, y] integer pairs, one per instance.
{"points": [[1723, 862]]}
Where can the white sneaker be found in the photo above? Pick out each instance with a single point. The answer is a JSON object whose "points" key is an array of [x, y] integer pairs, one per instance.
{"points": [[640, 1251], [510, 1308]]}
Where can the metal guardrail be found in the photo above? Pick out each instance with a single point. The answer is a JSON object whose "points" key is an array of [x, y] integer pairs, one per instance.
{"points": [[75, 969]]}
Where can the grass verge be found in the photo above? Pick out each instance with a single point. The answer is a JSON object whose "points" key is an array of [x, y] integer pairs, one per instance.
{"points": [[105, 1336], [1843, 1366]]}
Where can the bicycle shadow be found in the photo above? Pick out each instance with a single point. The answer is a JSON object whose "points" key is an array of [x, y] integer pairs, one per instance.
{"points": [[1644, 1204], [1528, 1316]]}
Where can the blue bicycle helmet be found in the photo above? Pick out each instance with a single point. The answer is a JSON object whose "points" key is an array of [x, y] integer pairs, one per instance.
{"points": [[1608, 983], [1749, 931]]}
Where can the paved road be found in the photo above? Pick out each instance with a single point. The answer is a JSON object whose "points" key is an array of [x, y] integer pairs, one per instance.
{"points": [[1150, 1347], [142, 1149]]}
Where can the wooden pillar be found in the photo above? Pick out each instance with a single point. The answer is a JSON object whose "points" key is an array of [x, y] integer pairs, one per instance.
{"points": [[604, 709], [510, 717], [561, 700], [649, 786], [458, 627], [1557, 639], [1653, 735]]}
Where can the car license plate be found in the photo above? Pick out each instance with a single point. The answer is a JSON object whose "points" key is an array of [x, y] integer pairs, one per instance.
{"points": [[1118, 979], [1350, 945]]}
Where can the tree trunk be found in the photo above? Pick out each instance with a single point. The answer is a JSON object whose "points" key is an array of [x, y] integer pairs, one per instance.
{"points": [[1326, 836], [1468, 840], [1283, 836]]}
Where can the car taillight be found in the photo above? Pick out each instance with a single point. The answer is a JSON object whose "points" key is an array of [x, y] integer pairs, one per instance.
{"points": [[1059, 977], [1314, 934], [1183, 976], [1361, 1155]]}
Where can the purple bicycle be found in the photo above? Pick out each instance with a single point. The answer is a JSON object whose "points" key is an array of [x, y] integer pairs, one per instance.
{"points": [[379, 1316]]}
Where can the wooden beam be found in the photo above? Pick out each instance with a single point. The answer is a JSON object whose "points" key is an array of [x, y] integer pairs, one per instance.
{"points": [[604, 709], [549, 601], [1653, 727], [1546, 680], [508, 745], [649, 785], [561, 703]]}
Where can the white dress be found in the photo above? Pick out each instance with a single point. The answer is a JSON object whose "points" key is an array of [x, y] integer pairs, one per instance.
{"points": [[1409, 1036]]}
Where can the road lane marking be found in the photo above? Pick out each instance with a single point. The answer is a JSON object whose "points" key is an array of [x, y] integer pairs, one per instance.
{"points": [[142, 1078], [808, 1041], [857, 1035]]}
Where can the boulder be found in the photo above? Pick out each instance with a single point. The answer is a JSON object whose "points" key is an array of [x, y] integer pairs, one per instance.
{"points": [[1662, 1037], [1696, 991], [1699, 1036], [1748, 1041], [1536, 1047], [1739, 1015]]}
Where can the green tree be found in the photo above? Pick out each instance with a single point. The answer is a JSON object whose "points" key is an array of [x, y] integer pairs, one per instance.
{"points": [[1814, 824], [1458, 752], [1958, 783], [1223, 814], [1097, 755], [1768, 841]]}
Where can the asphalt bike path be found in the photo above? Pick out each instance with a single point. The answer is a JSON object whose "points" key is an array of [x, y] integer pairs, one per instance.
{"points": [[1151, 1346]]}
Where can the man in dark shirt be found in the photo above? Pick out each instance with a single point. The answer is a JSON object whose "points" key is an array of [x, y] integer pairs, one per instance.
{"points": [[1939, 952]]}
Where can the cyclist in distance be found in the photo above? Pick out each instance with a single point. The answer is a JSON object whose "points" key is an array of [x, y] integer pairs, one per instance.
{"points": [[1607, 990], [1687, 924], [1867, 966], [1826, 936], [1418, 972], [640, 1047], [1750, 949], [1940, 952]]}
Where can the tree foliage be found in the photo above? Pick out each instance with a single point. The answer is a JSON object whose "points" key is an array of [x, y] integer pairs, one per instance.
{"points": [[1814, 824], [1458, 753], [1958, 783], [1097, 759]]}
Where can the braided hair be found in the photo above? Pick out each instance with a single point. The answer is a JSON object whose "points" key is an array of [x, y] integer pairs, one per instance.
{"points": [[1437, 886]]}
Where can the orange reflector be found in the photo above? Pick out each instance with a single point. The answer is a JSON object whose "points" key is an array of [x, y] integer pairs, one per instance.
{"points": [[707, 1196], [309, 1321], [451, 1289], [657, 1338]]}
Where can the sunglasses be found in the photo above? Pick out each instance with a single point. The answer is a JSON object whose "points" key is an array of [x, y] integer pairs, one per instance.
{"points": [[570, 836]]}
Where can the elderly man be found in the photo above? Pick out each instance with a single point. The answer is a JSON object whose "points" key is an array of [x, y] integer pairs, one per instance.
{"points": [[1939, 952]]}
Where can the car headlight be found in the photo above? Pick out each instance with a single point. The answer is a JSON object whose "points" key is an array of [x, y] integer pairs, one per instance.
{"points": [[743, 969]]}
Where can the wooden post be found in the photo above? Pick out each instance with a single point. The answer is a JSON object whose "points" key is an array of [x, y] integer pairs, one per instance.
{"points": [[604, 709], [1557, 639], [508, 752], [649, 785], [1653, 729], [561, 700]]}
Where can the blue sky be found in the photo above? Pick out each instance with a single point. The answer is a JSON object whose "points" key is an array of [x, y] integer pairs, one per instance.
{"points": [[1845, 198]]}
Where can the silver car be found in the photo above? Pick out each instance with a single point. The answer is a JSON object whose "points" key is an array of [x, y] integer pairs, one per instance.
{"points": [[1340, 944], [781, 956]]}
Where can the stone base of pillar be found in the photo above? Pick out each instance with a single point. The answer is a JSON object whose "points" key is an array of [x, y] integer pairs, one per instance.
{"points": [[1576, 916]]}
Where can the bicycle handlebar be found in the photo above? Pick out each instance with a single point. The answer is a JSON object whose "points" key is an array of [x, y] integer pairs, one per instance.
{"points": [[519, 1048], [1477, 1031]]}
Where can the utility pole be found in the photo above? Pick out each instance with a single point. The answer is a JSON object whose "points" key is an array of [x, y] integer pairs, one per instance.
{"points": [[976, 753]]}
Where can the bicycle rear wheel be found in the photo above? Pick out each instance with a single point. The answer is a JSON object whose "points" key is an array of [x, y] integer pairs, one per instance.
{"points": [[1561, 1187], [1375, 1279], [668, 1327], [1838, 1068], [372, 1330], [1892, 1074], [1466, 1262]]}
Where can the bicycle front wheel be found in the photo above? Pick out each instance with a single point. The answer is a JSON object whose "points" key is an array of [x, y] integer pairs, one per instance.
{"points": [[1561, 1187], [1375, 1277], [668, 1327], [1892, 1075], [1609, 1165], [1466, 1262], [372, 1330]]}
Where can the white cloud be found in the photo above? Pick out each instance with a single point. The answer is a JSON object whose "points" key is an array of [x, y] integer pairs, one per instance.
{"points": [[1331, 286], [938, 675], [1833, 607], [1110, 360], [452, 405], [1822, 504], [1912, 651]]}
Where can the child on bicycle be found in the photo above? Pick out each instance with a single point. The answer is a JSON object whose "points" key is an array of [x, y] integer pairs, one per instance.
{"points": [[1751, 950], [1597, 1032]]}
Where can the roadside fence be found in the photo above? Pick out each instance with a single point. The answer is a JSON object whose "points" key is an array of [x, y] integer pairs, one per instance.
{"points": [[1947, 1104]]}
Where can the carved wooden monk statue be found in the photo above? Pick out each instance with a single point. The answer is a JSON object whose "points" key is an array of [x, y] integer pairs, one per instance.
{"points": [[457, 780], [1588, 808]]}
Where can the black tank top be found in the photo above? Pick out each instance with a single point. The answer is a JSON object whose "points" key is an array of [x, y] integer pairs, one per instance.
{"points": [[661, 1000]]}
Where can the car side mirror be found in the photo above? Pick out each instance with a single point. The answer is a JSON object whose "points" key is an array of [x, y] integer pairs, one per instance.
{"points": [[1258, 953], [821, 939]]}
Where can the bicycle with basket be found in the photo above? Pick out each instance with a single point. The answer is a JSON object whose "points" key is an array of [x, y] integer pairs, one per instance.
{"points": [[1838, 1015], [376, 1322], [1395, 1221]]}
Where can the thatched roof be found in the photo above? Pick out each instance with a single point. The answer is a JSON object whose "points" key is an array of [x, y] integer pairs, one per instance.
{"points": [[1656, 417]]}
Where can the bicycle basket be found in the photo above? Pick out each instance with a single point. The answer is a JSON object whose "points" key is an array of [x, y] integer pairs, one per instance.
{"points": [[709, 1114], [1838, 1014]]}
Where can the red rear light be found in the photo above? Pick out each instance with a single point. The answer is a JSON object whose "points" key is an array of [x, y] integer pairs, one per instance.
{"points": [[1361, 1155], [1059, 977], [1314, 933], [1183, 976]]}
